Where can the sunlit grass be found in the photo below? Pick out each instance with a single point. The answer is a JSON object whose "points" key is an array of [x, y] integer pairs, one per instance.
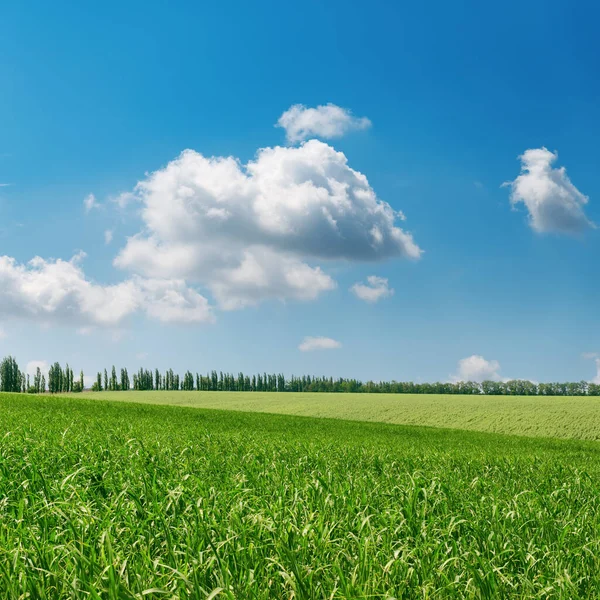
{"points": [[107, 500]]}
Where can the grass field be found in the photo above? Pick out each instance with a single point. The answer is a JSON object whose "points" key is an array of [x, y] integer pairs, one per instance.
{"points": [[559, 416], [119, 501]]}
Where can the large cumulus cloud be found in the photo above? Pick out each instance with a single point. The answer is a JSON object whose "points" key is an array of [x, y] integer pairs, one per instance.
{"points": [[57, 291], [264, 229]]}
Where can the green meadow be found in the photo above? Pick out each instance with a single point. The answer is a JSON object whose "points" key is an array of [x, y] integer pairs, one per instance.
{"points": [[119, 500]]}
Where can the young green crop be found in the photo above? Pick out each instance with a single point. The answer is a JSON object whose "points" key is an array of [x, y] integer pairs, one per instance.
{"points": [[542, 416], [107, 500]]}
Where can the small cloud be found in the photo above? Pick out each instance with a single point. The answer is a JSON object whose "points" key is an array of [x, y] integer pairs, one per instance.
{"points": [[476, 368], [141, 355], [85, 331], [553, 202], [596, 358], [124, 199], [108, 236], [90, 203], [374, 290], [327, 122], [318, 343], [597, 377], [478, 185], [5, 184]]}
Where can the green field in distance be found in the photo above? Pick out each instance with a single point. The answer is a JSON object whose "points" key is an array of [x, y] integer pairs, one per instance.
{"points": [[541, 416]]}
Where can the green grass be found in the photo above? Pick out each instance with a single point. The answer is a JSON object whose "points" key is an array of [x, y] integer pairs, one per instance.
{"points": [[118, 501], [559, 416]]}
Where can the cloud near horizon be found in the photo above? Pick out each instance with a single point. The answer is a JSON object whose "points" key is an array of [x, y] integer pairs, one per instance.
{"points": [[477, 369], [325, 121], [259, 231], [309, 344], [553, 202], [596, 358]]}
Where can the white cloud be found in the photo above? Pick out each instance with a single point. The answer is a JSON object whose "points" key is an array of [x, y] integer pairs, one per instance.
{"points": [[124, 199], [597, 378], [172, 301], [108, 236], [593, 356], [251, 232], [327, 122], [478, 369], [141, 355], [374, 290], [57, 291], [318, 343], [553, 202], [90, 202]]}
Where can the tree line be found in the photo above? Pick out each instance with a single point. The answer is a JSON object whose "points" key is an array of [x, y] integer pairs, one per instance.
{"points": [[60, 380]]}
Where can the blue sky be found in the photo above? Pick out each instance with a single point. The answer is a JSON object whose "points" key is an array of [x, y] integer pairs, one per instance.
{"points": [[96, 99]]}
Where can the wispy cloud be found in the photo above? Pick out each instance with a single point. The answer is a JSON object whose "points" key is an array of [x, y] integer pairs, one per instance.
{"points": [[374, 290], [326, 122], [90, 203], [318, 343], [596, 358]]}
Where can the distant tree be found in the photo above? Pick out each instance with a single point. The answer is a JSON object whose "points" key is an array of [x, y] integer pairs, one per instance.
{"points": [[124, 379], [105, 380], [113, 379], [10, 377], [66, 385], [37, 380]]}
